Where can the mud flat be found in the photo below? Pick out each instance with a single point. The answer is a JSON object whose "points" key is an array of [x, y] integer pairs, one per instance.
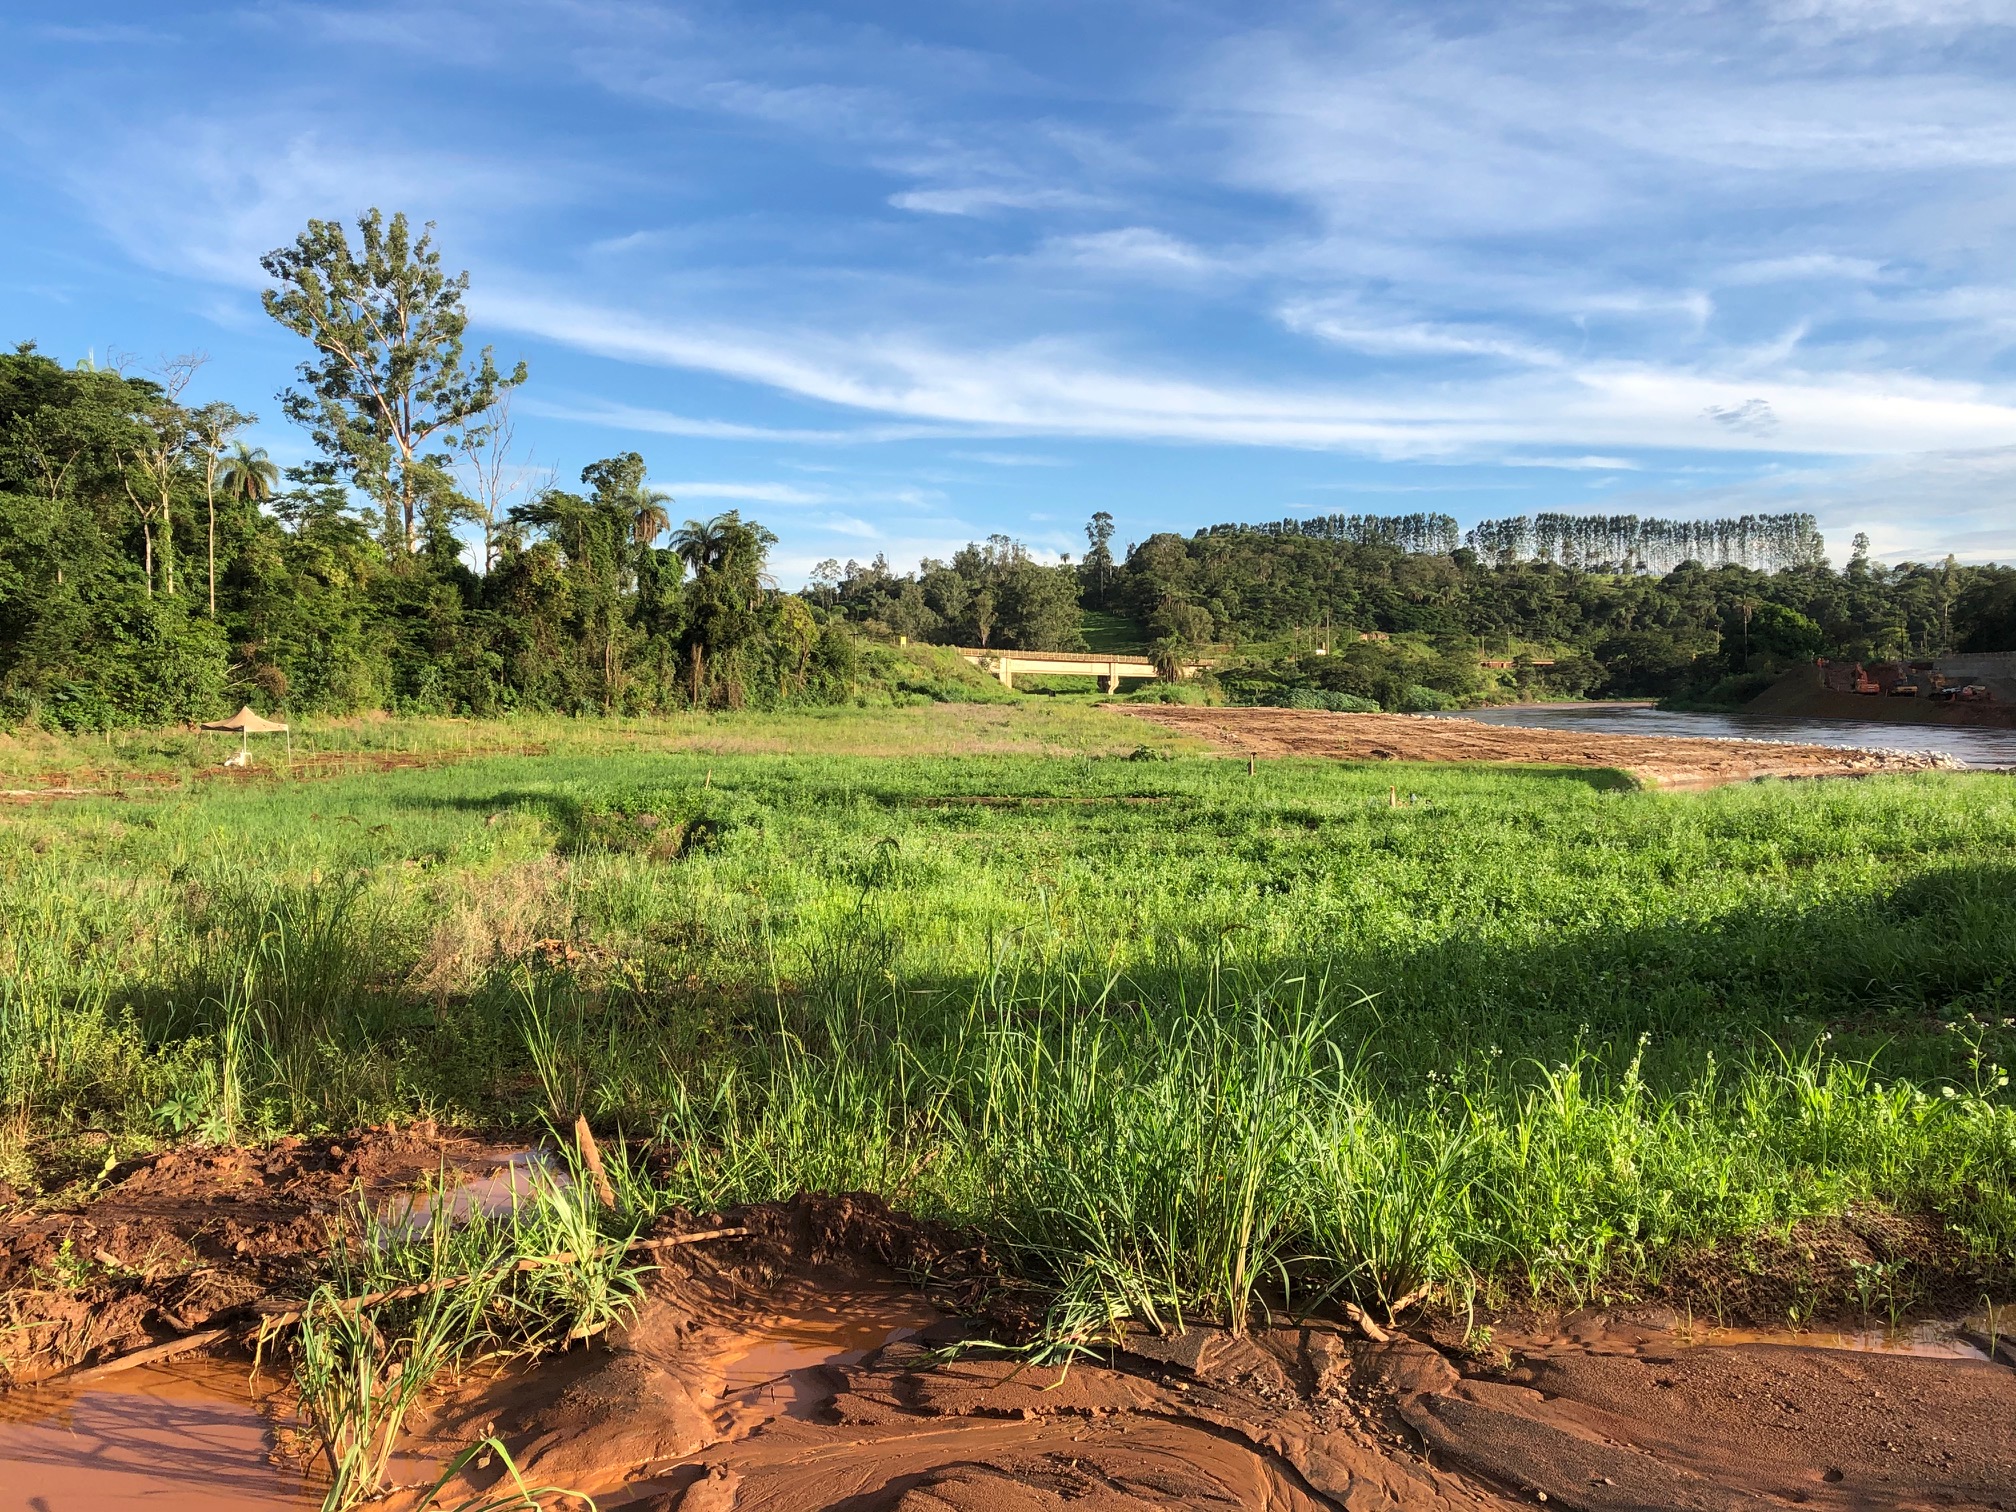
{"points": [[838, 1355], [671, 1415], [1656, 760]]}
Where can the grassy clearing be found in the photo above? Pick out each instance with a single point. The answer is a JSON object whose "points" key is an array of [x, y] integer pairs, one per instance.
{"points": [[33, 760], [1179, 1037]]}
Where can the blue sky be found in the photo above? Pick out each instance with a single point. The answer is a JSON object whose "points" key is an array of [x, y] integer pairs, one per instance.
{"points": [[894, 276]]}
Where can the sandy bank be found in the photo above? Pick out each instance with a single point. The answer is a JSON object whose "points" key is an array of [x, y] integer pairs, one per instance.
{"points": [[1659, 760]]}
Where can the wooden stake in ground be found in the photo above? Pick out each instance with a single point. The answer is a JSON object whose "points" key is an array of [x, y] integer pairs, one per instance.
{"points": [[592, 1156]]}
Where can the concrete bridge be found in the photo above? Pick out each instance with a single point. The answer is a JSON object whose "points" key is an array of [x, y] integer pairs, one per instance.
{"points": [[1109, 667]]}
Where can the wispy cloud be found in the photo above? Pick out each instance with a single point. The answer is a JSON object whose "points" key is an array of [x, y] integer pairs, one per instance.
{"points": [[109, 33], [1058, 388], [755, 493], [1011, 459], [1130, 249], [987, 199], [1574, 464], [667, 423]]}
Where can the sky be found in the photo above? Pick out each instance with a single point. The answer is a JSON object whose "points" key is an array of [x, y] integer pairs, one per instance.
{"points": [[892, 277]]}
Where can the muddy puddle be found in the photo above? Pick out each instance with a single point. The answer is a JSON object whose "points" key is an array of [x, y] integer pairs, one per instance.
{"points": [[775, 1368], [183, 1438], [512, 1181], [1981, 1336]]}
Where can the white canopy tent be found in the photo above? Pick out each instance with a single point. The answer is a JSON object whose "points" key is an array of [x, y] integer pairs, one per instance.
{"points": [[248, 724]]}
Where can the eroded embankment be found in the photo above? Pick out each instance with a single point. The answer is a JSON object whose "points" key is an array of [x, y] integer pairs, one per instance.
{"points": [[1663, 761], [837, 1355]]}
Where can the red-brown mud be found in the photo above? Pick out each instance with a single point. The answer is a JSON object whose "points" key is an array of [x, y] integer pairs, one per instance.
{"points": [[1666, 761], [188, 1439], [838, 1357], [671, 1414], [186, 1240]]}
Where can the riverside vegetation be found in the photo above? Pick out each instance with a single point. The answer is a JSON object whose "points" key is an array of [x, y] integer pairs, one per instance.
{"points": [[1178, 1037], [155, 566]]}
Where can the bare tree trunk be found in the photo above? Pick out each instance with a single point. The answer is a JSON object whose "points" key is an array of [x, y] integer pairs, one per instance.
{"points": [[147, 535], [167, 544], [210, 505]]}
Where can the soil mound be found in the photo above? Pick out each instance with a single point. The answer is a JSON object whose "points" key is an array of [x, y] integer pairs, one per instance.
{"points": [[1663, 761]]}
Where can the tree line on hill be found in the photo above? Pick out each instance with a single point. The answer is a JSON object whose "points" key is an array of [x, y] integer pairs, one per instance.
{"points": [[155, 568], [1399, 613], [1597, 543]]}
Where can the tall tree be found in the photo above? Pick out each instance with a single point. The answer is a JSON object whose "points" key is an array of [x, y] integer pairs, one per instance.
{"points": [[248, 474], [1097, 568], [388, 378], [727, 555], [163, 437], [214, 424]]}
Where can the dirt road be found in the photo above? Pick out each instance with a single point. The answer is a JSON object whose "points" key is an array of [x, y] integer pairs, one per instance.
{"points": [[1655, 760]]}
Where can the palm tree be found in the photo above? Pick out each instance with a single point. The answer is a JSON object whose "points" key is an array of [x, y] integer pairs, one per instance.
{"points": [[699, 543], [648, 519], [248, 475]]}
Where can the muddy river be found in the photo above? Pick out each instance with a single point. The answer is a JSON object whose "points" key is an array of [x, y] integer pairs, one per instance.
{"points": [[1973, 745]]}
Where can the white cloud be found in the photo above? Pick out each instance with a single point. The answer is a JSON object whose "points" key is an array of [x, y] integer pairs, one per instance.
{"points": [[108, 33], [1573, 464], [847, 525], [1130, 249], [1064, 388], [1753, 417], [984, 199], [1803, 266], [211, 196], [666, 423], [1011, 459], [1416, 338]]}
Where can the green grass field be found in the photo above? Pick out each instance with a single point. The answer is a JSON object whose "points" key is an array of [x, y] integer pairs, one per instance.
{"points": [[1177, 1037]]}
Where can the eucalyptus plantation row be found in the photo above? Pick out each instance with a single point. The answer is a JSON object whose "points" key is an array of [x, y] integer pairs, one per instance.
{"points": [[1596, 543], [1432, 534], [1625, 543]]}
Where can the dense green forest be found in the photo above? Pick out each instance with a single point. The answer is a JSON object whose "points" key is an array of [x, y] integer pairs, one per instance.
{"points": [[154, 568], [1580, 595]]}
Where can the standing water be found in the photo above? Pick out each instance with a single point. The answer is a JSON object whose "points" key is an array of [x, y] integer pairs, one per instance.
{"points": [[181, 1438], [1974, 745]]}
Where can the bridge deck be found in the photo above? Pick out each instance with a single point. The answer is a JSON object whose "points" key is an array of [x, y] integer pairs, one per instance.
{"points": [[1111, 666]]}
